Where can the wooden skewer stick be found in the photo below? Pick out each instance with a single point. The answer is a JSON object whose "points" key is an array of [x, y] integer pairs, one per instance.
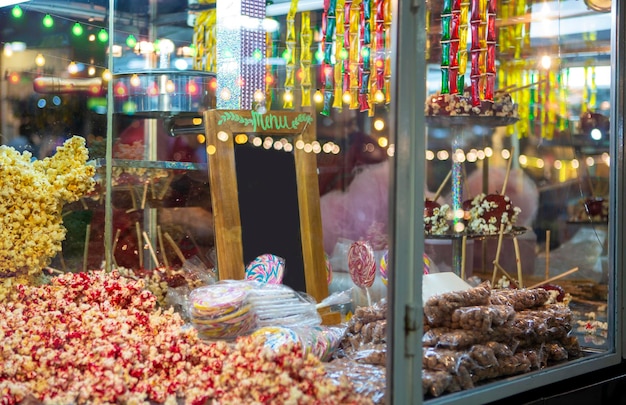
{"points": [[518, 262], [567, 273], [166, 186], [508, 172], [499, 267], [547, 254], [139, 244], [443, 184], [179, 253], [152, 252], [144, 195], [117, 238], [498, 249], [83, 203], [162, 247], [134, 201], [86, 252], [463, 247]]}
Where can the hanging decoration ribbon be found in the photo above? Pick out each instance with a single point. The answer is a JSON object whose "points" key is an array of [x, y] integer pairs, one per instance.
{"points": [[340, 54], [364, 55], [306, 39], [204, 37], [329, 17], [355, 54], [271, 40], [290, 55]]}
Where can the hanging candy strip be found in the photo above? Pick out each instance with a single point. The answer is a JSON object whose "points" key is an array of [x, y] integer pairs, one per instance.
{"points": [[563, 77], [482, 56], [446, 17], [204, 39], [355, 53], [306, 38], [379, 42], [271, 42], [462, 58], [475, 52], [491, 50], [455, 18], [328, 69], [346, 46], [365, 55], [290, 55], [387, 17], [339, 55]]}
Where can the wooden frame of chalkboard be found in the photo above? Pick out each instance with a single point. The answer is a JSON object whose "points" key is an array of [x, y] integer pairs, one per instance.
{"points": [[240, 192]]}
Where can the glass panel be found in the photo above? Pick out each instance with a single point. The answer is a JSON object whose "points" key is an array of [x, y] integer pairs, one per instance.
{"points": [[517, 188]]}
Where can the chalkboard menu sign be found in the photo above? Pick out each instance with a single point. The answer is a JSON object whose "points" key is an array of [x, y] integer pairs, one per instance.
{"points": [[265, 195]]}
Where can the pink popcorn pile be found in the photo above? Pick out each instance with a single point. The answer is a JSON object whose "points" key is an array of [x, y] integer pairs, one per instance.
{"points": [[96, 338]]}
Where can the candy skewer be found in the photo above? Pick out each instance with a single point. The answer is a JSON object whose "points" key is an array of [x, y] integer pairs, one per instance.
{"points": [[139, 245], [549, 280], [547, 254], [152, 252], [86, 252], [144, 195], [463, 248], [518, 262], [162, 247], [117, 237], [177, 250], [498, 249], [443, 184], [499, 267]]}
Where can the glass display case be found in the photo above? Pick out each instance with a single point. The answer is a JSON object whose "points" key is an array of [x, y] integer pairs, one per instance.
{"points": [[423, 195]]}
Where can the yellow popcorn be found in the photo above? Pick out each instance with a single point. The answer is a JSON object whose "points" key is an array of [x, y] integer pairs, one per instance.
{"points": [[32, 195]]}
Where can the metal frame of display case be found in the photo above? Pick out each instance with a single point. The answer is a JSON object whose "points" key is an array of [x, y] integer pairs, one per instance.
{"points": [[404, 360]]}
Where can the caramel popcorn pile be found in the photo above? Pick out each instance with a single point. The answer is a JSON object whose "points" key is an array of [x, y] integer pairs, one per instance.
{"points": [[32, 195], [96, 338]]}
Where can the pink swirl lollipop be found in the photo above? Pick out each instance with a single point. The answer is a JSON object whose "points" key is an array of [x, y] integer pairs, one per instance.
{"points": [[267, 269], [384, 263], [362, 264]]}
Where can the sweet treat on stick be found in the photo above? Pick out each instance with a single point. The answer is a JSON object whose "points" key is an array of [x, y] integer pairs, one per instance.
{"points": [[362, 264], [435, 217], [485, 213], [267, 269]]}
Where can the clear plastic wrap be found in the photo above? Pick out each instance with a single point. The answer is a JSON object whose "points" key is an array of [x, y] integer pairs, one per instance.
{"points": [[280, 305], [439, 308], [222, 310], [321, 341], [481, 318], [520, 299]]}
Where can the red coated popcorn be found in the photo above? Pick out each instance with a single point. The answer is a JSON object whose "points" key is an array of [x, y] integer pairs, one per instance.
{"points": [[97, 338]]}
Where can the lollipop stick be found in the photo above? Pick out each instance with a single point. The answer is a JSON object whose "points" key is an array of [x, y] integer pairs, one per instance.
{"points": [[117, 237], [179, 253], [547, 254], [499, 247], [139, 244], [162, 247], [499, 267], [518, 261], [508, 172], [549, 280], [86, 252], [443, 184], [463, 247], [166, 186], [144, 195], [369, 298], [152, 253]]}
